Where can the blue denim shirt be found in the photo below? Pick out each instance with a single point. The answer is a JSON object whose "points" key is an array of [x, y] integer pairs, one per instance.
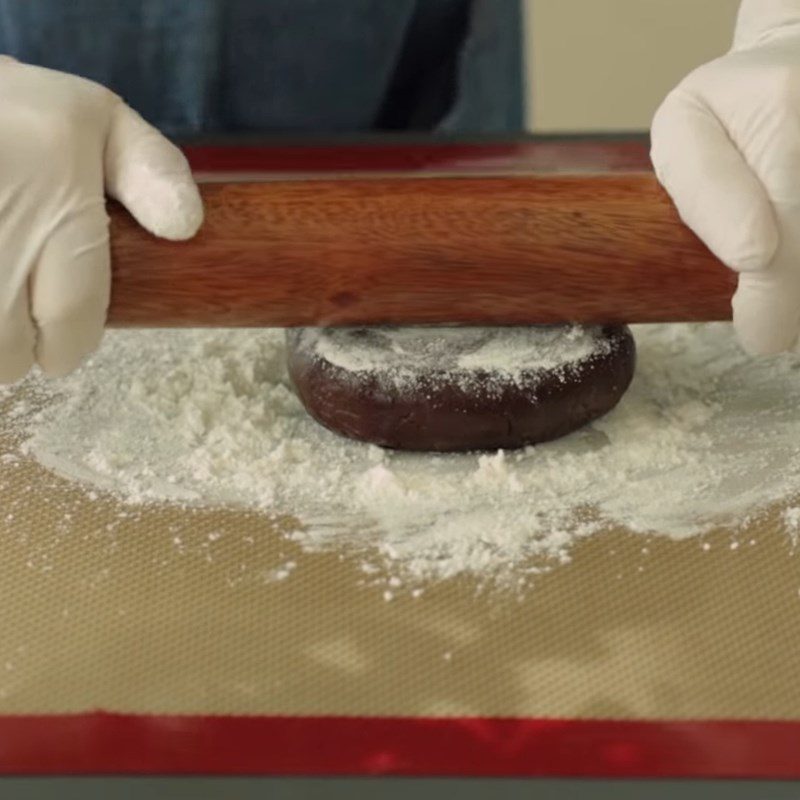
{"points": [[321, 66]]}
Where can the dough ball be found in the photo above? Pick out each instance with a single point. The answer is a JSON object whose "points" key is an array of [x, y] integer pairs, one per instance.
{"points": [[449, 389]]}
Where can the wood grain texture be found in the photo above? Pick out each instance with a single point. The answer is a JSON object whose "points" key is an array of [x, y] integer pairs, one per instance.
{"points": [[480, 250]]}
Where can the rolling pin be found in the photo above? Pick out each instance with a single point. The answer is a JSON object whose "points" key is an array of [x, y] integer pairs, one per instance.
{"points": [[473, 250]]}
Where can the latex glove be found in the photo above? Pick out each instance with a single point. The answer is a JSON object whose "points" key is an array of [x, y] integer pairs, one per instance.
{"points": [[64, 142], [726, 146]]}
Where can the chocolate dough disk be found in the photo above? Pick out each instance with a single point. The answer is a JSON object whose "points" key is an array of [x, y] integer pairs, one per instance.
{"points": [[458, 389]]}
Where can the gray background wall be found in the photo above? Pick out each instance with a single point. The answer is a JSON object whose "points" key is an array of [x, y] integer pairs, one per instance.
{"points": [[604, 65]]}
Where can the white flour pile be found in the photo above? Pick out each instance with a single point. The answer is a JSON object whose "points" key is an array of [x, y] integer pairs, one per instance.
{"points": [[705, 435]]}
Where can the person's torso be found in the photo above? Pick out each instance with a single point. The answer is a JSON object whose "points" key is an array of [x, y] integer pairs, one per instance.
{"points": [[255, 65]]}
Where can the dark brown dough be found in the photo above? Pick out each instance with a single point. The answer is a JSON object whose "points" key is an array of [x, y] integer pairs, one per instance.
{"points": [[419, 395]]}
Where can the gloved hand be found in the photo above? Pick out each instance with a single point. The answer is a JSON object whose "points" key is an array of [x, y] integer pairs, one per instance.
{"points": [[64, 142], [726, 146]]}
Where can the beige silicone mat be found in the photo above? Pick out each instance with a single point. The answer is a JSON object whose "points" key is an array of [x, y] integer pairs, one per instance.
{"points": [[170, 611]]}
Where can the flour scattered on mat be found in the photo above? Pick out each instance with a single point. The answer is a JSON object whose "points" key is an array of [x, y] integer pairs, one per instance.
{"points": [[704, 436]]}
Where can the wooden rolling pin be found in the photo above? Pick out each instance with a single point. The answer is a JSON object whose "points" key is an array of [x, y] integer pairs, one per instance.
{"points": [[485, 250]]}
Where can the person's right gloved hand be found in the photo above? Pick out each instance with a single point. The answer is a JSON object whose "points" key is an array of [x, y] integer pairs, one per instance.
{"points": [[726, 146], [64, 143]]}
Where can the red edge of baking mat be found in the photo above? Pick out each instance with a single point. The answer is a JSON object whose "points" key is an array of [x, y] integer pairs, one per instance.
{"points": [[598, 154], [101, 743]]}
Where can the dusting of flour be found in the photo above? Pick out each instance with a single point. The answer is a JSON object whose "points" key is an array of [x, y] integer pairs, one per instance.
{"points": [[404, 356], [705, 436]]}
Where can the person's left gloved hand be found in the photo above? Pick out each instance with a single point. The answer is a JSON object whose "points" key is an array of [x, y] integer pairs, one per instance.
{"points": [[726, 146]]}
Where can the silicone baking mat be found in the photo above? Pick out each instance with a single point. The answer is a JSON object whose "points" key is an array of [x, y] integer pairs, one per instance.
{"points": [[167, 640], [179, 614]]}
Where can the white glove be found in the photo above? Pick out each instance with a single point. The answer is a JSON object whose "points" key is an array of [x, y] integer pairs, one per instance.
{"points": [[64, 142], [726, 146]]}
